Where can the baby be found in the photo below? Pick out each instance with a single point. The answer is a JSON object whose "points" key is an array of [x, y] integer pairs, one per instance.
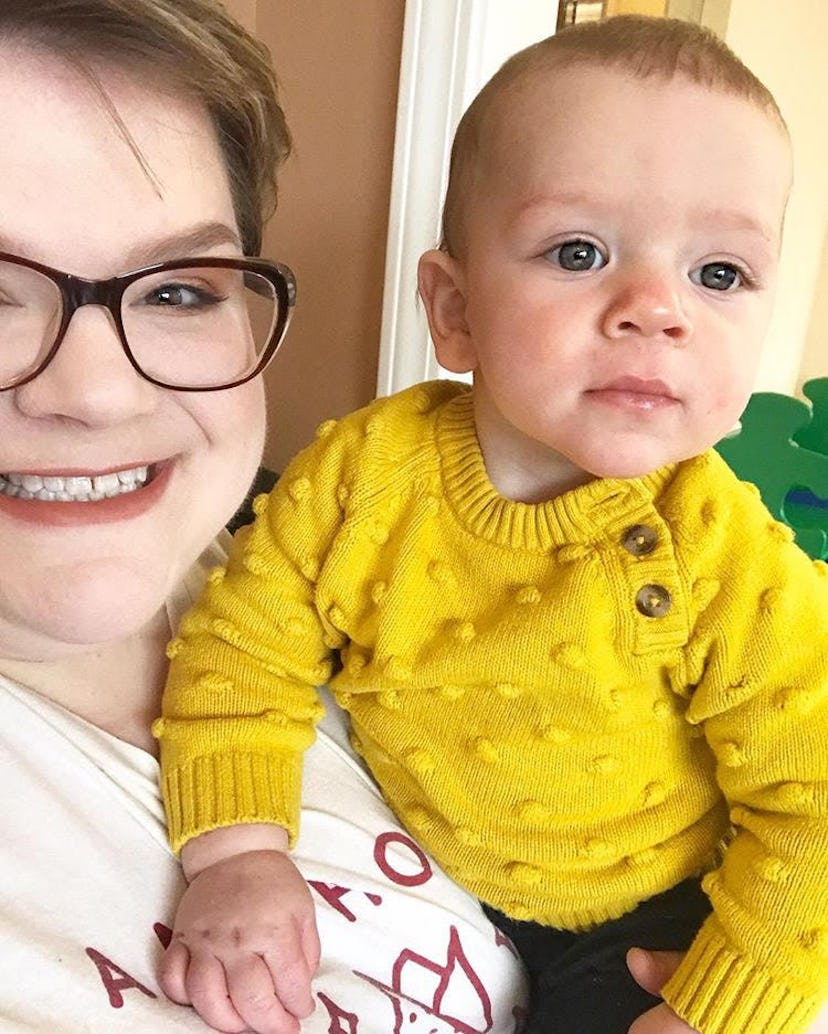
{"points": [[587, 669]]}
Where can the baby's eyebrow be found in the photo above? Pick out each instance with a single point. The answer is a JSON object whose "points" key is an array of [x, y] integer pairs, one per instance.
{"points": [[555, 198], [527, 210], [733, 219], [720, 217]]}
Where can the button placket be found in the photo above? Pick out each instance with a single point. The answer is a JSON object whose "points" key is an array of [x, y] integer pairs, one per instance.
{"points": [[653, 601], [635, 547], [640, 539]]}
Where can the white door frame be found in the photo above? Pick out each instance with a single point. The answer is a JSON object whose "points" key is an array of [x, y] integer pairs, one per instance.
{"points": [[450, 49]]}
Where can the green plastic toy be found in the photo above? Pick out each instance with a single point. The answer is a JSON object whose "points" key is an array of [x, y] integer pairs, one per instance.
{"points": [[782, 448]]}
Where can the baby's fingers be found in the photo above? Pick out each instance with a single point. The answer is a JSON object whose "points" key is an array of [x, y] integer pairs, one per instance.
{"points": [[207, 991], [172, 975], [258, 998], [311, 948], [292, 979], [652, 969]]}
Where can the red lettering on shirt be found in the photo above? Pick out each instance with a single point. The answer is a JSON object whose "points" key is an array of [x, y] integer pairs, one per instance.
{"points": [[115, 979], [333, 894], [502, 941], [402, 878], [339, 1016], [163, 933], [424, 992]]}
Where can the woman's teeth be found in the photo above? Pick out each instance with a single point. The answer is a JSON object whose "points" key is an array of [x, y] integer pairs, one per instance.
{"points": [[73, 489]]}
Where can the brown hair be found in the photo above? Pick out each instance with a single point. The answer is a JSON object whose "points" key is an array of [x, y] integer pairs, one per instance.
{"points": [[643, 47], [189, 45]]}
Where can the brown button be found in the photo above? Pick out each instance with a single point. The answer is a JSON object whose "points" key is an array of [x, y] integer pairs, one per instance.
{"points": [[653, 601], [639, 540]]}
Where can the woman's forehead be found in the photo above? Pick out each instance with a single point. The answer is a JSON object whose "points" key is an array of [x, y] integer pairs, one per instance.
{"points": [[91, 169]]}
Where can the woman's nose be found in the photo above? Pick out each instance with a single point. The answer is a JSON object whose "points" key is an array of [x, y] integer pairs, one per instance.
{"points": [[90, 380], [647, 305]]}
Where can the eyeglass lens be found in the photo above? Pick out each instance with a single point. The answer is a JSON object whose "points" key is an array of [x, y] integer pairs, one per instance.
{"points": [[200, 327]]}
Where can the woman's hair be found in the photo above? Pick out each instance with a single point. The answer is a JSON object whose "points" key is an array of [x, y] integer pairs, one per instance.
{"points": [[191, 46], [640, 46]]}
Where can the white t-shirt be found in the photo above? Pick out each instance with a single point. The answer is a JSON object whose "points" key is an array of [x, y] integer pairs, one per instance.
{"points": [[88, 889]]}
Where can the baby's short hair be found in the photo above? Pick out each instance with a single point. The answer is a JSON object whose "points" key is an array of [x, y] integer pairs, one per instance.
{"points": [[641, 46]]}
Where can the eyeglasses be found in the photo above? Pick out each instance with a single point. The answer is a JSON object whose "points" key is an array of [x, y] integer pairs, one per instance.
{"points": [[196, 324]]}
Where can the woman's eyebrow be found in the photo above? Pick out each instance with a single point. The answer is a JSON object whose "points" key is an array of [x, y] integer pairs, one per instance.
{"points": [[186, 244], [12, 246]]}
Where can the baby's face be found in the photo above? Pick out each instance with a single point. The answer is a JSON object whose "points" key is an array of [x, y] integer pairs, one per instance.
{"points": [[619, 269]]}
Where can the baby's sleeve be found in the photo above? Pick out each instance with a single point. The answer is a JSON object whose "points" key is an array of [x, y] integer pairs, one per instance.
{"points": [[240, 705], [761, 650]]}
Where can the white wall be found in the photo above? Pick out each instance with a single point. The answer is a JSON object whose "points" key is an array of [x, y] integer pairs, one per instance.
{"points": [[450, 49]]}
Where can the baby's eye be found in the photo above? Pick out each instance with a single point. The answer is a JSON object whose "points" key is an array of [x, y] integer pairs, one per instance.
{"points": [[576, 256], [718, 276]]}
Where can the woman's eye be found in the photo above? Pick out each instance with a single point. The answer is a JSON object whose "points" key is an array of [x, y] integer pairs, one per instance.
{"points": [[718, 276], [576, 256], [181, 296]]}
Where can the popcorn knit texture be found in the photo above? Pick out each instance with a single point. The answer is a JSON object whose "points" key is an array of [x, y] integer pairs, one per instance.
{"points": [[571, 704]]}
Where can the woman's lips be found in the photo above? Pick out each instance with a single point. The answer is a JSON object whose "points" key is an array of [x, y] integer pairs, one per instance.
{"points": [[635, 393], [124, 506]]}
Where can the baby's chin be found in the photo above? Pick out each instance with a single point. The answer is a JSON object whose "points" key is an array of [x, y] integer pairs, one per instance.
{"points": [[630, 469]]}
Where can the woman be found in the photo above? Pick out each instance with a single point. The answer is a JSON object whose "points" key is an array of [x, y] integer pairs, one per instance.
{"points": [[136, 133]]}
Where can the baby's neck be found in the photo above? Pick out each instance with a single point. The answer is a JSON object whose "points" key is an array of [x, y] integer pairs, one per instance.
{"points": [[525, 486], [537, 480], [518, 467], [116, 686]]}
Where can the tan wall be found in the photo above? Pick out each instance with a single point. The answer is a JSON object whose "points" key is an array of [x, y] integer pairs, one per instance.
{"points": [[815, 358], [338, 66], [245, 11], [785, 44], [651, 7]]}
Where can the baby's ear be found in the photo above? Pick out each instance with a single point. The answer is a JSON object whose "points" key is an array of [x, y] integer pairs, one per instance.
{"points": [[442, 289]]}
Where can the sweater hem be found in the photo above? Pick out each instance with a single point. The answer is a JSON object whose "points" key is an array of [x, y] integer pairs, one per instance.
{"points": [[718, 991], [211, 792]]}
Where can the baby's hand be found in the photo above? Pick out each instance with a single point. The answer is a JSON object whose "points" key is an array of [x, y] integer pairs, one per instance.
{"points": [[660, 1020], [245, 947], [652, 970]]}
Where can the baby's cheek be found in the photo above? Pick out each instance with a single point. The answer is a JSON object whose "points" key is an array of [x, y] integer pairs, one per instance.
{"points": [[730, 384]]}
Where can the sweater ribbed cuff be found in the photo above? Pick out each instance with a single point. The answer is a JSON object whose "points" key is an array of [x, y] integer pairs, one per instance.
{"points": [[717, 991], [210, 792]]}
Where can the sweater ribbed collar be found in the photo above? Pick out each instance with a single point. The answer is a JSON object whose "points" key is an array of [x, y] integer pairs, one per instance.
{"points": [[578, 516]]}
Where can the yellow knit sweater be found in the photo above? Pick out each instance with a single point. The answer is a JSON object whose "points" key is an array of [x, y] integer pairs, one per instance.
{"points": [[570, 704]]}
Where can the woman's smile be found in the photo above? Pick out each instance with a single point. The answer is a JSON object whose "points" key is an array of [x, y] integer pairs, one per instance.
{"points": [[85, 498], [74, 488]]}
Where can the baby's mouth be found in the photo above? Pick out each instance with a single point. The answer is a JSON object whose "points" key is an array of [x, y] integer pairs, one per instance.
{"points": [[85, 489]]}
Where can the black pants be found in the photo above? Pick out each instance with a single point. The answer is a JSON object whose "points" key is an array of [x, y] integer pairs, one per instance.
{"points": [[579, 982]]}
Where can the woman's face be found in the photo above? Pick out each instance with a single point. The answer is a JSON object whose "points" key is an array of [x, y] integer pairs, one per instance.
{"points": [[74, 196]]}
